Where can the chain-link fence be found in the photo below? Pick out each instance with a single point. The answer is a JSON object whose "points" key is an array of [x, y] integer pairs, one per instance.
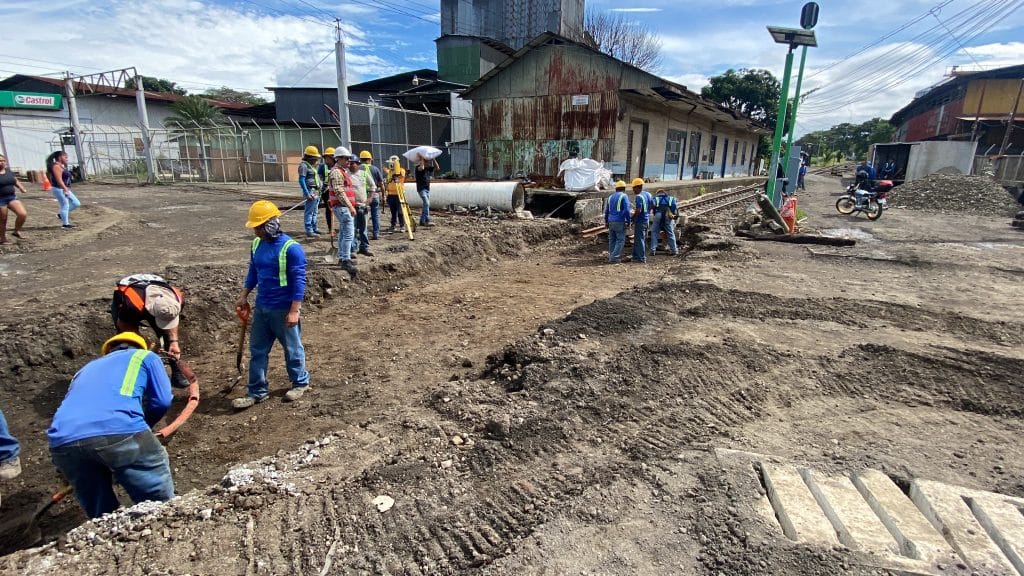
{"points": [[248, 151]]}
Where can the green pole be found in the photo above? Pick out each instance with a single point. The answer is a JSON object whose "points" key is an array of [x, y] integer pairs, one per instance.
{"points": [[796, 100], [779, 123]]}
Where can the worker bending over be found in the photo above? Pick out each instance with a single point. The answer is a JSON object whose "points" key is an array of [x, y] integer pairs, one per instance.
{"points": [[149, 299], [101, 431]]}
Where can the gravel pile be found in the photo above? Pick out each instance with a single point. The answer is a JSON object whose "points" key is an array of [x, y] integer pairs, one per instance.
{"points": [[954, 193]]}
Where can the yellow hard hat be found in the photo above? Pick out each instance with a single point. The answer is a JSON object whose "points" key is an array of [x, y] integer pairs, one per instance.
{"points": [[260, 212], [365, 155], [620, 184], [637, 182], [127, 337], [329, 151], [311, 151]]}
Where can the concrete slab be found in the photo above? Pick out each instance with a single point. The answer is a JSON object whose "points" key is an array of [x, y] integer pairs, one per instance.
{"points": [[1004, 523], [798, 512], [947, 511], [917, 538], [856, 524]]}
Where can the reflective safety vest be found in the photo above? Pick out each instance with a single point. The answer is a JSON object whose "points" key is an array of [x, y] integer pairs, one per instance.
{"points": [[316, 182], [349, 190], [666, 204], [131, 286], [644, 206], [368, 177], [282, 260]]}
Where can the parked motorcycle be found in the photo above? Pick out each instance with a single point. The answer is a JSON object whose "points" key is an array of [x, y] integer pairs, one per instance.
{"points": [[868, 197]]}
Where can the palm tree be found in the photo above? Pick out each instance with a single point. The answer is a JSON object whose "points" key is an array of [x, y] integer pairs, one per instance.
{"points": [[194, 115]]}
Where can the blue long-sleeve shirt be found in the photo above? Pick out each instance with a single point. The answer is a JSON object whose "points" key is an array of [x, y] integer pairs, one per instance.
{"points": [[265, 273], [617, 208], [125, 392], [644, 201]]}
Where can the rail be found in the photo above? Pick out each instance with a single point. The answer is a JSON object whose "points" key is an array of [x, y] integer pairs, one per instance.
{"points": [[701, 205]]}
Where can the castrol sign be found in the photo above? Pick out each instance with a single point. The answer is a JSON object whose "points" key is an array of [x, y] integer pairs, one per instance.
{"points": [[9, 99]]}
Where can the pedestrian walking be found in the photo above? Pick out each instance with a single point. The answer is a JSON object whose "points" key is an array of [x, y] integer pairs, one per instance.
{"points": [[396, 180], [60, 180], [616, 217], [9, 186], [309, 181], [373, 172], [277, 270], [665, 211], [342, 199], [641, 213], [149, 299], [101, 431], [322, 170], [360, 241], [10, 450], [801, 173], [424, 173]]}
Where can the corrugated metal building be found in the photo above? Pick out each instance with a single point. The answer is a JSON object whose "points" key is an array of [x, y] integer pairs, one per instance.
{"points": [[556, 95], [512, 22]]}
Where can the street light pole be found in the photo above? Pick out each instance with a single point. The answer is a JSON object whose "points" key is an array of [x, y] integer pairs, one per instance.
{"points": [[796, 101], [780, 121]]}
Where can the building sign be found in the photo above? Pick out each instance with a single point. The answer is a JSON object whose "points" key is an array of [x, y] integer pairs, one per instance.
{"points": [[270, 158], [33, 100], [580, 99]]}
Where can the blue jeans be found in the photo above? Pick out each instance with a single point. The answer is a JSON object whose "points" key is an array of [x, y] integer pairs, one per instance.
{"points": [[616, 240], [425, 212], [375, 216], [67, 204], [640, 240], [309, 214], [267, 326], [663, 222], [359, 239], [346, 231], [136, 461], [9, 447]]}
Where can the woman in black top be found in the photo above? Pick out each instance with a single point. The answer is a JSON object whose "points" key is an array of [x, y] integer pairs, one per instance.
{"points": [[8, 200]]}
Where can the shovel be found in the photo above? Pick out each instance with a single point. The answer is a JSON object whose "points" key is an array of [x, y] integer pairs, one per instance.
{"points": [[243, 315]]}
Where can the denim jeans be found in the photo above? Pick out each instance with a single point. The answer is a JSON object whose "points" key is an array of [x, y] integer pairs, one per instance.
{"points": [[67, 204], [375, 216], [346, 231], [136, 461], [425, 211], [9, 447], [309, 214], [640, 240], [267, 326], [395, 205], [616, 240], [663, 222], [359, 239]]}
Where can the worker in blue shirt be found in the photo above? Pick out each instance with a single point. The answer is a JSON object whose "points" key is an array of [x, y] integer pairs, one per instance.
{"points": [[101, 431], [665, 209], [867, 169], [309, 181], [641, 216], [616, 217], [277, 267]]}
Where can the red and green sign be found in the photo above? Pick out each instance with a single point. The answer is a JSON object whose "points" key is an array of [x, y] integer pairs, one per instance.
{"points": [[32, 100]]}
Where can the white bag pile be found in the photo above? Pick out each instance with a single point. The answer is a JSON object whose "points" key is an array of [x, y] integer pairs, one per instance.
{"points": [[582, 174]]}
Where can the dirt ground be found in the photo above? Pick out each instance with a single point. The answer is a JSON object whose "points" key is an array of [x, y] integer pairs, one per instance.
{"points": [[528, 408]]}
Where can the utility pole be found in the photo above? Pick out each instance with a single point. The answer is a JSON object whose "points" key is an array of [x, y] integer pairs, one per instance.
{"points": [[75, 125], [339, 62], [147, 142]]}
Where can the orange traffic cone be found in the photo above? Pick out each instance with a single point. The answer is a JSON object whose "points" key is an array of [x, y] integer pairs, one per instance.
{"points": [[46, 184]]}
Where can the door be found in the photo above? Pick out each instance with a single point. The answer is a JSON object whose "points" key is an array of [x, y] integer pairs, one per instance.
{"points": [[725, 156], [694, 153], [637, 149], [675, 146]]}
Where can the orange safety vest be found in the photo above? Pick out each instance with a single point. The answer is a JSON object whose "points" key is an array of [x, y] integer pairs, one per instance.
{"points": [[138, 302], [349, 190]]}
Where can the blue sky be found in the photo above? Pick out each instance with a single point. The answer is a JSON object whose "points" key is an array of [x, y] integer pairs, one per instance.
{"points": [[252, 44]]}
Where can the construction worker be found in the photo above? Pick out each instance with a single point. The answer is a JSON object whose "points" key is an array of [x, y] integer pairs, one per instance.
{"points": [[396, 180], [641, 213], [309, 181], [666, 210], [342, 199], [372, 172], [101, 431], [148, 298], [322, 170], [10, 462], [424, 173], [360, 241], [277, 267], [616, 217]]}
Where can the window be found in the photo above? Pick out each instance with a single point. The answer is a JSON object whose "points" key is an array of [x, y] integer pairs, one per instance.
{"points": [[694, 148], [713, 145], [675, 143], [735, 149], [744, 158]]}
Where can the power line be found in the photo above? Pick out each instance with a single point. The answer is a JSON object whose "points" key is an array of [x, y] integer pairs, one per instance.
{"points": [[303, 77]]}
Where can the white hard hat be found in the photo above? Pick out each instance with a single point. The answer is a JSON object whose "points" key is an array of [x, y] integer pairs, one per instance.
{"points": [[340, 151]]}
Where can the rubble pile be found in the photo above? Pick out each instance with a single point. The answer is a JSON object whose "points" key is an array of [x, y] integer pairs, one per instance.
{"points": [[954, 193]]}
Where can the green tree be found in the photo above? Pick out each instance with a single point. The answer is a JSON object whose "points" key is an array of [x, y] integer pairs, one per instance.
{"points": [[194, 116], [753, 93], [849, 140], [226, 94], [153, 84]]}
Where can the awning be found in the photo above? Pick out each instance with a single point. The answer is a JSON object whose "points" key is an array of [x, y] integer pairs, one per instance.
{"points": [[999, 117]]}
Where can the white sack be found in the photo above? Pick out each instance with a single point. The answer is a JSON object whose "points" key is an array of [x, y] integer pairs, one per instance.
{"points": [[428, 152]]}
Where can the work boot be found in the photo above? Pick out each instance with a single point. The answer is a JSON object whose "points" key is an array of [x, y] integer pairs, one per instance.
{"points": [[365, 252], [349, 267], [295, 393], [247, 402], [10, 469], [178, 379]]}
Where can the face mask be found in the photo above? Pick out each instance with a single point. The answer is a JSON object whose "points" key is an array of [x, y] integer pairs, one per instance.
{"points": [[272, 227]]}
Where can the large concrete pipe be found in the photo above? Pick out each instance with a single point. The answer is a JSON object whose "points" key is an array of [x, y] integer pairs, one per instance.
{"points": [[506, 196]]}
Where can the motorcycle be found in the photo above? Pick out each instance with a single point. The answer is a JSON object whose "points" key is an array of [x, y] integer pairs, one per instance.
{"points": [[871, 198]]}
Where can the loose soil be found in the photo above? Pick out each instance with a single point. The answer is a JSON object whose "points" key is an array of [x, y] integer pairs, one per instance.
{"points": [[528, 408]]}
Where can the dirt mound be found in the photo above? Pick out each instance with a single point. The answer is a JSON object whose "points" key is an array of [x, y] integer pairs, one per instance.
{"points": [[954, 193]]}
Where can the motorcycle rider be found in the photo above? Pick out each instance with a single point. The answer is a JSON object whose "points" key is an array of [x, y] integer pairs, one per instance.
{"points": [[865, 181]]}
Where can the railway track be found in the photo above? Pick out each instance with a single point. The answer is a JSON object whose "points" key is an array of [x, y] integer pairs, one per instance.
{"points": [[701, 205]]}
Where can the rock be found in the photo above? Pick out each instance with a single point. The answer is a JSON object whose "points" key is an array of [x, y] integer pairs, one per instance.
{"points": [[457, 440], [467, 363], [548, 331], [206, 514], [447, 464], [383, 503]]}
